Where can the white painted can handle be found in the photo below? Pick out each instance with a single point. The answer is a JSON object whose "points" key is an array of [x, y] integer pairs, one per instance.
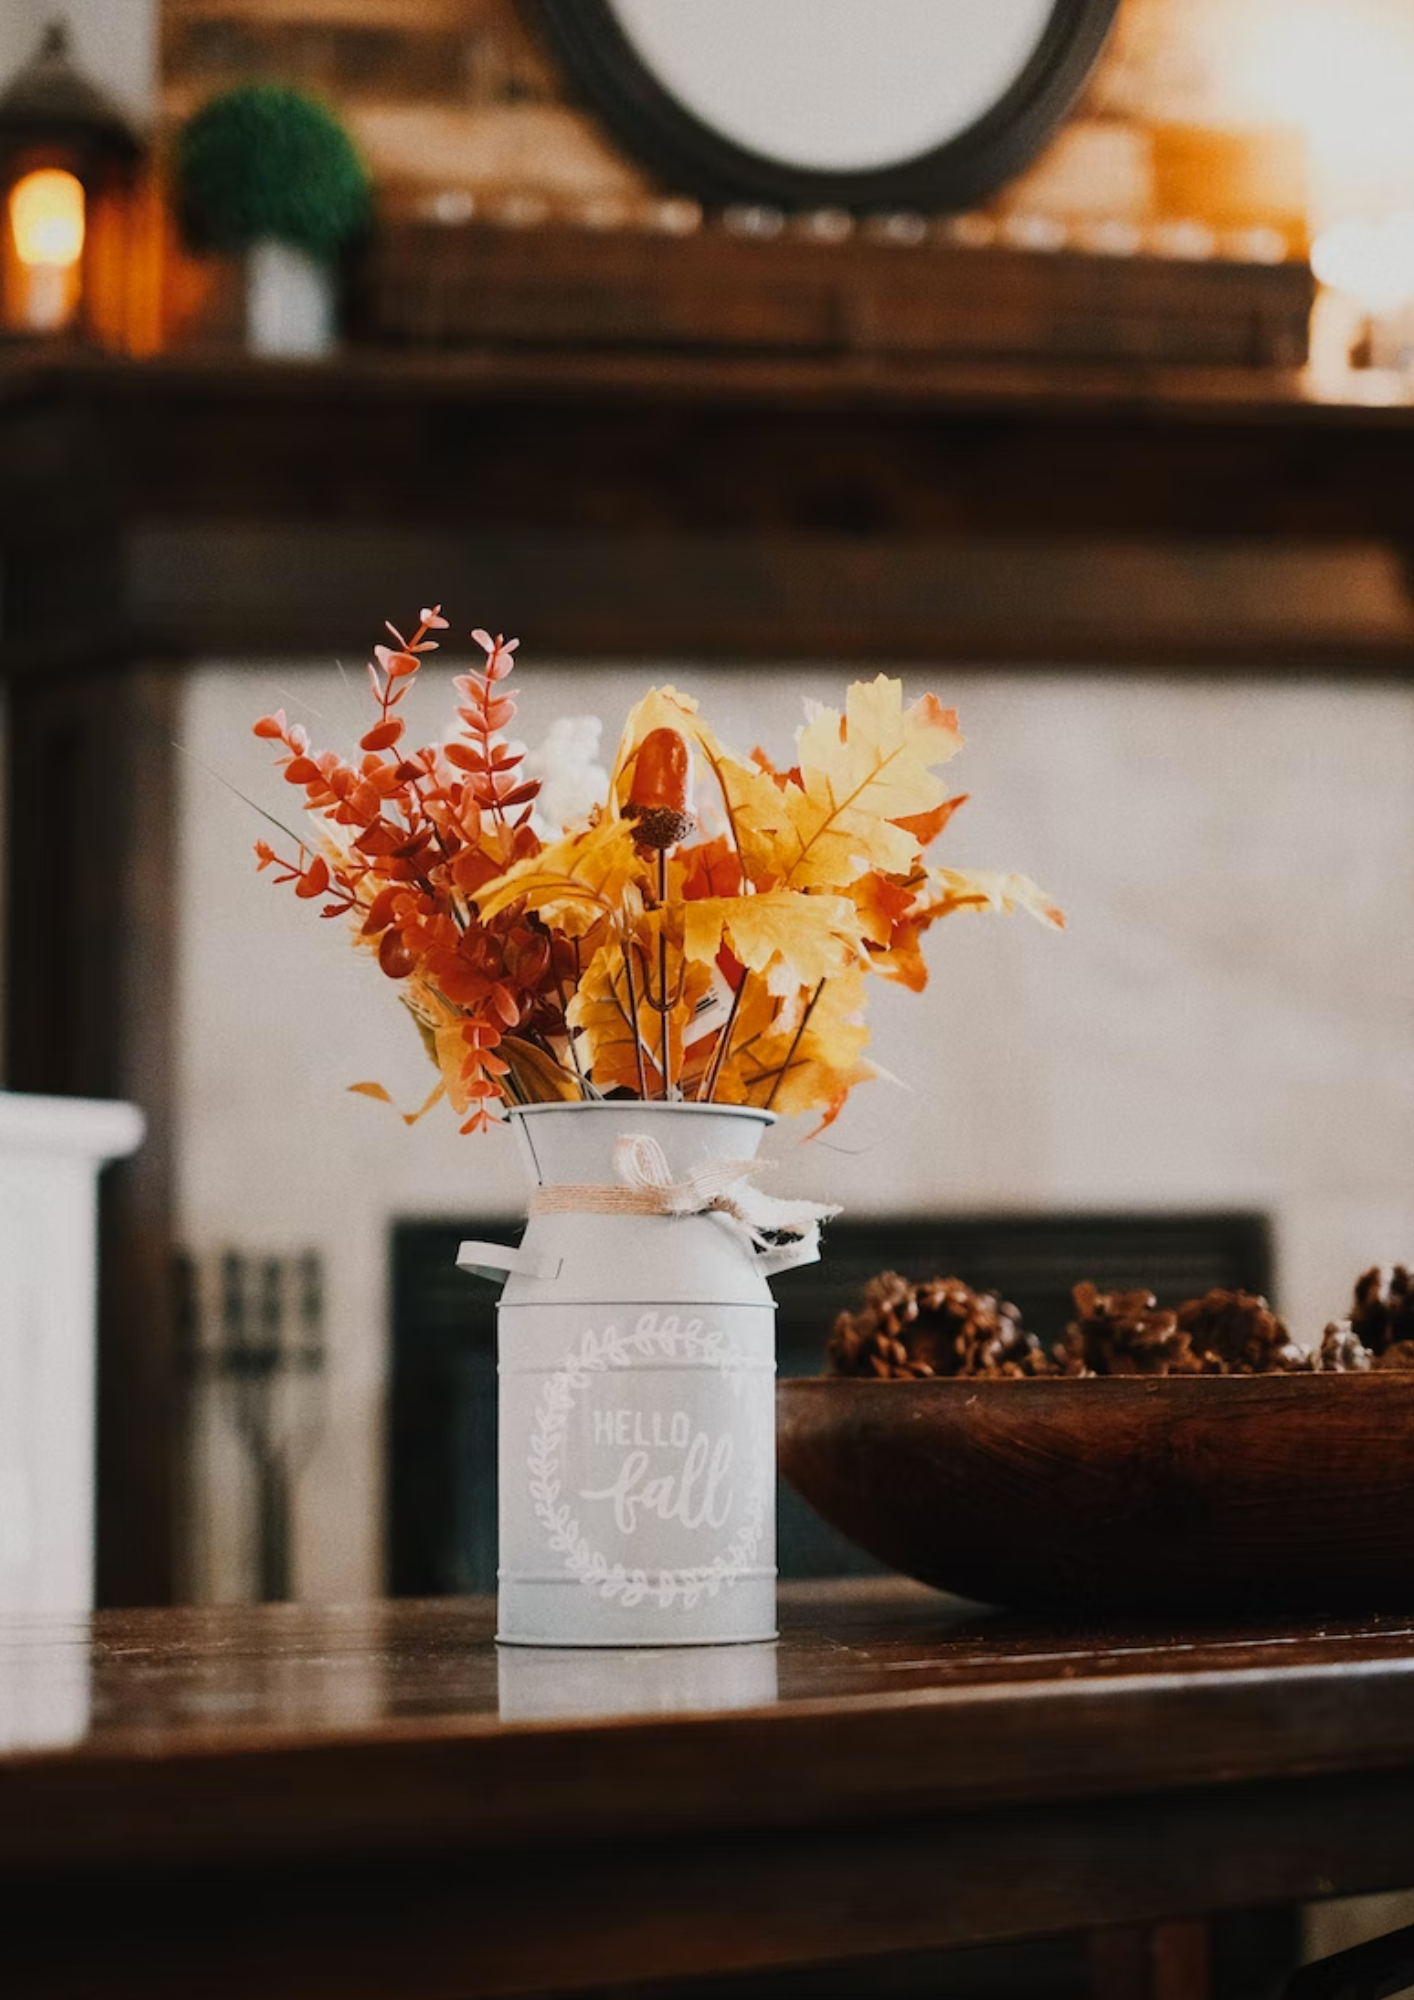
{"points": [[497, 1260]]}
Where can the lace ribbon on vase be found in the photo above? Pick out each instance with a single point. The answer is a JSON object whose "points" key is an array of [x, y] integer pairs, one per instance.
{"points": [[786, 1232]]}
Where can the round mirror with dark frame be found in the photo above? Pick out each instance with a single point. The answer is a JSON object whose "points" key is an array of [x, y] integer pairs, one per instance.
{"points": [[861, 104]]}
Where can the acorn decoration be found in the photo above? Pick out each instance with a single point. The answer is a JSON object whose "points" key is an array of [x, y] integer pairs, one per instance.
{"points": [[657, 798]]}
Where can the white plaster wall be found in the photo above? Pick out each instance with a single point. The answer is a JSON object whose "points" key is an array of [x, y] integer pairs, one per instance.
{"points": [[1229, 1019]]}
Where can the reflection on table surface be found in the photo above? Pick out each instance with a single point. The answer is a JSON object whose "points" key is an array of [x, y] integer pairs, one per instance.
{"points": [[123, 1682]]}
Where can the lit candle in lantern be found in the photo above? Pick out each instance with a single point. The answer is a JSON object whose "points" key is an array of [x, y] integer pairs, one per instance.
{"points": [[68, 165], [48, 220]]}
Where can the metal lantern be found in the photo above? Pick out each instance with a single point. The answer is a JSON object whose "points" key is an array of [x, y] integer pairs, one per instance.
{"points": [[68, 161]]}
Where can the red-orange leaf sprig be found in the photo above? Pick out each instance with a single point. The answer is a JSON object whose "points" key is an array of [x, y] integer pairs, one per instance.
{"points": [[413, 835], [488, 711]]}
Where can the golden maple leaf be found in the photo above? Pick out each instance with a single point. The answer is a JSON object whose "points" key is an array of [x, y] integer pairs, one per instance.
{"points": [[794, 939], [861, 773]]}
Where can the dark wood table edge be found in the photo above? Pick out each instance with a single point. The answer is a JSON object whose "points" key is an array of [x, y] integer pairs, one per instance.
{"points": [[483, 1785], [453, 1925]]}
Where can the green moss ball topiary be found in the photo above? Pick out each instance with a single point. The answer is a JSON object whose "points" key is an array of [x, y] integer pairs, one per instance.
{"points": [[266, 161]]}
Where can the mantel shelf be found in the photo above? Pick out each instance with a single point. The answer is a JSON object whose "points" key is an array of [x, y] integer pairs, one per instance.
{"points": [[1297, 397], [651, 504]]}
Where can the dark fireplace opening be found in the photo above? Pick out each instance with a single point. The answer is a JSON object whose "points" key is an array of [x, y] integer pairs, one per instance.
{"points": [[442, 1407]]}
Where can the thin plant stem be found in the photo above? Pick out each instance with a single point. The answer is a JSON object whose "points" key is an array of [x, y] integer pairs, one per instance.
{"points": [[708, 1087], [236, 793], [633, 1018], [663, 1016], [569, 1031], [795, 1044], [719, 1055]]}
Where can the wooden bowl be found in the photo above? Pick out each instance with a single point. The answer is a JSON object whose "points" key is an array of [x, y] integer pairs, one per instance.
{"points": [[1232, 1493]]}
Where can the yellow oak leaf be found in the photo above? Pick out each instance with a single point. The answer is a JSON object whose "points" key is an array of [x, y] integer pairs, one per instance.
{"points": [[760, 817], [795, 940], [860, 773]]}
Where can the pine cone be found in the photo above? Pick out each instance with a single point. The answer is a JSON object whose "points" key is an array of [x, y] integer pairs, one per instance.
{"points": [[1124, 1333], [913, 1331], [1384, 1316], [1237, 1333], [1342, 1350]]}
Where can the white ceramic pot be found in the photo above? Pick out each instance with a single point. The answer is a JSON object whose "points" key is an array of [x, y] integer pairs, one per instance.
{"points": [[637, 1397], [290, 302]]}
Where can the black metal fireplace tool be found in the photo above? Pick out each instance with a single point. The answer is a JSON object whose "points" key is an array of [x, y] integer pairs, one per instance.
{"points": [[264, 1359]]}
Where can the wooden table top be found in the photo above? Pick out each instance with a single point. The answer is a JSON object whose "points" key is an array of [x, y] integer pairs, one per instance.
{"points": [[396, 1726], [372, 1802]]}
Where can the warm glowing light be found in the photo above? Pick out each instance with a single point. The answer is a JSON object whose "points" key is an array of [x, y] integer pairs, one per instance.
{"points": [[47, 216], [1372, 262], [1342, 71]]}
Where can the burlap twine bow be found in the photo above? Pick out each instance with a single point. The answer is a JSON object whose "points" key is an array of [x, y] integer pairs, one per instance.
{"points": [[646, 1187]]}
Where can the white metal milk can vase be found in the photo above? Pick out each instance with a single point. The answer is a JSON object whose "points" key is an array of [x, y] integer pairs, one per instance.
{"points": [[637, 1377]]}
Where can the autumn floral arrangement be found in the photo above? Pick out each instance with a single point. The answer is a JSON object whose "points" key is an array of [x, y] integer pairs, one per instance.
{"points": [[701, 934]]}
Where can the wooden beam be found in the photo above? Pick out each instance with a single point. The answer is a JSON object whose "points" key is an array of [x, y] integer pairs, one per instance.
{"points": [[729, 511], [89, 968], [249, 593]]}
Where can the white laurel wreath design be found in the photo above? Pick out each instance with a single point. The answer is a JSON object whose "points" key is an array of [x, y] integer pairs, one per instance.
{"points": [[596, 1353]]}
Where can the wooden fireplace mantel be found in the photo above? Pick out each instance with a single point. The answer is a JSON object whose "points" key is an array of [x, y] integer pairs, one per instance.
{"points": [[642, 504], [618, 503]]}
